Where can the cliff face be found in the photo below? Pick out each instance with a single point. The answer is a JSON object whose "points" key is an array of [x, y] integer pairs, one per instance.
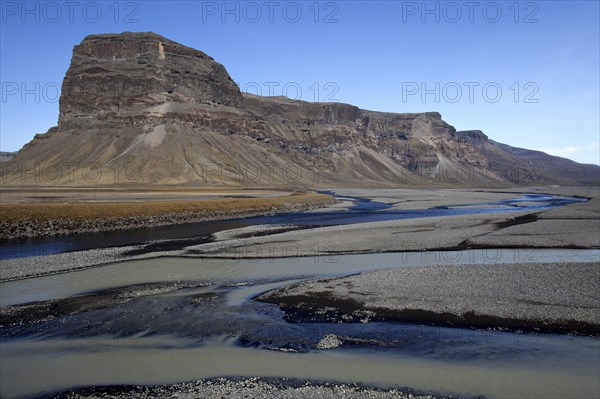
{"points": [[114, 73], [139, 108]]}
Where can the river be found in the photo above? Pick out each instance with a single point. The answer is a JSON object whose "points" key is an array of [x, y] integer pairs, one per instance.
{"points": [[171, 319]]}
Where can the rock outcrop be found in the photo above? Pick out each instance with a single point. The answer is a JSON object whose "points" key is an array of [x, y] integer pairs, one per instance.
{"points": [[114, 73], [472, 136], [137, 108]]}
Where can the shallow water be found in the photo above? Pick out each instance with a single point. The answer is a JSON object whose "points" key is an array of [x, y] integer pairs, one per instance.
{"points": [[156, 360], [168, 320], [233, 271], [363, 210]]}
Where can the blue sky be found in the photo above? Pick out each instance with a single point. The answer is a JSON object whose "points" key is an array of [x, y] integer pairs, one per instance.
{"points": [[526, 73]]}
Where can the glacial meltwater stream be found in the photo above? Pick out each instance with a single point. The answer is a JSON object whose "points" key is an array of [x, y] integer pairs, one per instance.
{"points": [[166, 320], [171, 319], [362, 210]]}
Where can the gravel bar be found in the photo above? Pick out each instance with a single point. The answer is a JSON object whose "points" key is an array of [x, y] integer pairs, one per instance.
{"points": [[543, 297], [244, 388]]}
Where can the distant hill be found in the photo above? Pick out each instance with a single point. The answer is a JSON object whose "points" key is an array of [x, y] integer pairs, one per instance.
{"points": [[137, 108], [6, 156]]}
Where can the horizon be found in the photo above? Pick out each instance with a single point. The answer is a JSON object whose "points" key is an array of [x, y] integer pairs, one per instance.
{"points": [[540, 93]]}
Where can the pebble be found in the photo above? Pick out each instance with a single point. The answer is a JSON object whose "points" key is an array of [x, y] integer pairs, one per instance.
{"points": [[252, 387]]}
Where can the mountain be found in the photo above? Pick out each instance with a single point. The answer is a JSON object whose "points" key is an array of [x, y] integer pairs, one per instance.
{"points": [[137, 108], [6, 156]]}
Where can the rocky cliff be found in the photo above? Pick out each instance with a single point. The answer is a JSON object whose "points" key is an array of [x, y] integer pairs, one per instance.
{"points": [[137, 108]]}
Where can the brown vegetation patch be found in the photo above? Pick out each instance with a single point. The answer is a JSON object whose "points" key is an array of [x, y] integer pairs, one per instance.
{"points": [[89, 211], [34, 220]]}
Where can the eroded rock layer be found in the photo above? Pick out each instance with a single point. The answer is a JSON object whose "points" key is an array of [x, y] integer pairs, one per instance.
{"points": [[137, 108]]}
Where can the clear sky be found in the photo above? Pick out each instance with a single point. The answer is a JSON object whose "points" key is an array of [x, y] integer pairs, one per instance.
{"points": [[526, 73]]}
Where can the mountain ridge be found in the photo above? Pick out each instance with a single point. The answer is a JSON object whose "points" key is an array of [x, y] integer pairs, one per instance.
{"points": [[138, 108]]}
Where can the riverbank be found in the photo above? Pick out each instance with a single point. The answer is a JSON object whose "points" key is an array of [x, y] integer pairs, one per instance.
{"points": [[537, 297], [19, 220], [219, 388]]}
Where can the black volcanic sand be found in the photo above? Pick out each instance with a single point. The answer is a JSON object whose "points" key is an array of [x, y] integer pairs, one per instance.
{"points": [[553, 298]]}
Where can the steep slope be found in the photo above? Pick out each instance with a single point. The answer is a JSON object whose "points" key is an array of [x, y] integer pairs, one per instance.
{"points": [[139, 108], [529, 166], [559, 170]]}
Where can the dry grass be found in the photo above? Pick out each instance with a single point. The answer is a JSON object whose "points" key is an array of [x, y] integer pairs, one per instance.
{"points": [[101, 210]]}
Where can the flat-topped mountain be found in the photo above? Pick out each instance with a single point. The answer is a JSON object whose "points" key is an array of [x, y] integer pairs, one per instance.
{"points": [[140, 108]]}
